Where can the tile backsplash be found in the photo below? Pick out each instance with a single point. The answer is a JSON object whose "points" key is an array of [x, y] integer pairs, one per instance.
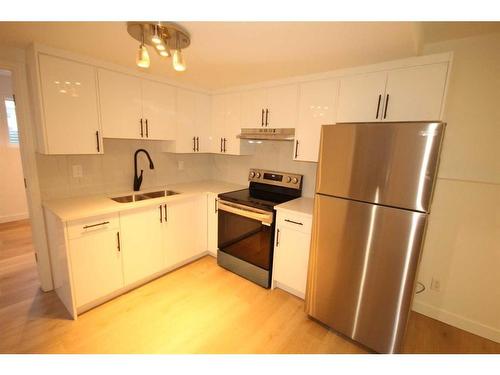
{"points": [[113, 171]]}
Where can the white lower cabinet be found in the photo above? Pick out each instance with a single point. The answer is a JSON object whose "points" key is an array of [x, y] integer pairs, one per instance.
{"points": [[141, 242], [212, 223], [96, 258], [185, 235], [291, 252]]}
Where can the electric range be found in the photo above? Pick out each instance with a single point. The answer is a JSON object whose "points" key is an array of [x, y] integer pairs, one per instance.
{"points": [[246, 223]]}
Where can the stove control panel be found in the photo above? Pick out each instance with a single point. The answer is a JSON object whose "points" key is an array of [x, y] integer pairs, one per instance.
{"points": [[290, 180]]}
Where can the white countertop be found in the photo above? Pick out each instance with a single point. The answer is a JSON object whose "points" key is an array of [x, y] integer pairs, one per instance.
{"points": [[69, 209], [302, 205]]}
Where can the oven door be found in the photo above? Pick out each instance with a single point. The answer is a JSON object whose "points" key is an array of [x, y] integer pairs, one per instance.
{"points": [[246, 233]]}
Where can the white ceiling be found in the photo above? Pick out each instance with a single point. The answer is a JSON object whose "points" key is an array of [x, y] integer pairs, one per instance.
{"points": [[225, 54]]}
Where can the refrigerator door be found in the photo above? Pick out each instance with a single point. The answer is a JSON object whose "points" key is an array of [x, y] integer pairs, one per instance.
{"points": [[362, 269], [393, 164]]}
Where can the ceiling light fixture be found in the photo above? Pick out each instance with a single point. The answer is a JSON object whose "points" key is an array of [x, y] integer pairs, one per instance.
{"points": [[142, 58], [162, 36]]}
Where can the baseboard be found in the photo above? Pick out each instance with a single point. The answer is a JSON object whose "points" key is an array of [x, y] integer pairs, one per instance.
{"points": [[288, 289], [16, 217], [458, 321]]}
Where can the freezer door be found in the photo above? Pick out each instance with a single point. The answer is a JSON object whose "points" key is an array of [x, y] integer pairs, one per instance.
{"points": [[362, 269], [392, 164]]}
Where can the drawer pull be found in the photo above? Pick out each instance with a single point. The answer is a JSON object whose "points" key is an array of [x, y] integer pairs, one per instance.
{"points": [[293, 222], [95, 225]]}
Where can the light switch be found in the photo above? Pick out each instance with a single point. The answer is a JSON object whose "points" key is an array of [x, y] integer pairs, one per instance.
{"points": [[77, 171]]}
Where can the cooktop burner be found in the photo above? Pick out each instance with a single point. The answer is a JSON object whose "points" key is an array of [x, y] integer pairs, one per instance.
{"points": [[266, 189]]}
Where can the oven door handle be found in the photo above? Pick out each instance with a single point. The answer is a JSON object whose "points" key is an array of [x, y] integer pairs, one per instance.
{"points": [[264, 217]]}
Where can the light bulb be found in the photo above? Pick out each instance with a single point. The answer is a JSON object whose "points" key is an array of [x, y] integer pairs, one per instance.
{"points": [[178, 61], [156, 37], [142, 59], [160, 47], [164, 53]]}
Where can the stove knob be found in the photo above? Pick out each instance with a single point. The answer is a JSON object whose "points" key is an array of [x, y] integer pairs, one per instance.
{"points": [[252, 174], [288, 179], [257, 175], [295, 180]]}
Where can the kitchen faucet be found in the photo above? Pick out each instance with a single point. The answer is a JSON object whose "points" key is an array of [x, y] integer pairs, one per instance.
{"points": [[138, 179]]}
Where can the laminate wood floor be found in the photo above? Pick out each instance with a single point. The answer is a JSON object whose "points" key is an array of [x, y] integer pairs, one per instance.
{"points": [[200, 308]]}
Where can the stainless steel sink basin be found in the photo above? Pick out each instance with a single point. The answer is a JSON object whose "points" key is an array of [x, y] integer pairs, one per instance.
{"points": [[144, 196], [124, 199]]}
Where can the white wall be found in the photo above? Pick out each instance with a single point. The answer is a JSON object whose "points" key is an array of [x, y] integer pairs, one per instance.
{"points": [[13, 205], [462, 249]]}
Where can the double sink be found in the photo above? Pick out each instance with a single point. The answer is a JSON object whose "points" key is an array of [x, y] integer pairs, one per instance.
{"points": [[143, 196]]}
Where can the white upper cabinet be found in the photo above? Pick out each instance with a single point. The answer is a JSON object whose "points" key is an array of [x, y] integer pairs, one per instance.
{"points": [[282, 104], [69, 107], [121, 105], [273, 107], [361, 97], [415, 94], [317, 106], [192, 123], [226, 125], [409, 94], [158, 110], [135, 108]]}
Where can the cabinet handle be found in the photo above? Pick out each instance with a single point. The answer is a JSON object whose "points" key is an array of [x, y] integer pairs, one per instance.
{"points": [[262, 118], [161, 214], [277, 237], [97, 139], [147, 129], [194, 144], [221, 145], [378, 105], [166, 215], [267, 114], [225, 144], [95, 225], [197, 144], [142, 130], [118, 241], [296, 148], [215, 205], [293, 222], [386, 105]]}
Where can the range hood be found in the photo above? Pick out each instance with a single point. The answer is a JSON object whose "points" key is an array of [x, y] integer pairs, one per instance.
{"points": [[268, 134]]}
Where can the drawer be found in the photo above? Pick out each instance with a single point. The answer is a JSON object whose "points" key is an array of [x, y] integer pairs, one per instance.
{"points": [[294, 221], [81, 227]]}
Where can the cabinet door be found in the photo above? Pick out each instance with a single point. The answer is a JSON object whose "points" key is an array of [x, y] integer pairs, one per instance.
{"points": [[202, 122], [416, 94], [96, 265], [70, 110], [186, 230], [212, 223], [291, 258], [121, 105], [232, 124], [282, 106], [361, 97], [142, 232], [186, 122], [317, 106], [217, 129], [253, 106], [158, 109]]}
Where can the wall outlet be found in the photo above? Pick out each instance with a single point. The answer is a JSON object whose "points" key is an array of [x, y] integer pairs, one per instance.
{"points": [[180, 165], [435, 285], [77, 171]]}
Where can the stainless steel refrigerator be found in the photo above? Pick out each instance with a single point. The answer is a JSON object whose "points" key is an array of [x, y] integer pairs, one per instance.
{"points": [[373, 192]]}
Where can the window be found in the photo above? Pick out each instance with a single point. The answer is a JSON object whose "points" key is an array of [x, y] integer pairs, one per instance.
{"points": [[10, 109]]}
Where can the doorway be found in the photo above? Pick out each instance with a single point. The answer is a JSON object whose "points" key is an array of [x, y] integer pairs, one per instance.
{"points": [[18, 269]]}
